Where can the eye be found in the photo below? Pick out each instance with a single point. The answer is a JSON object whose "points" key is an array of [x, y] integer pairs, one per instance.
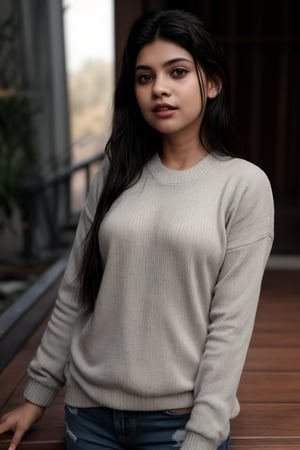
{"points": [[145, 78], [179, 72]]}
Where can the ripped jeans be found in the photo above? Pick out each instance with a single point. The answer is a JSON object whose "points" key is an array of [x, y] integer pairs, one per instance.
{"points": [[105, 428]]}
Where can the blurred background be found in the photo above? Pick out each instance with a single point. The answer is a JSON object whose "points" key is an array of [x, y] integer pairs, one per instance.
{"points": [[58, 63]]}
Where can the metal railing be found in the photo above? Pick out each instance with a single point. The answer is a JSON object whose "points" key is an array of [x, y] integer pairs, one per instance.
{"points": [[46, 204]]}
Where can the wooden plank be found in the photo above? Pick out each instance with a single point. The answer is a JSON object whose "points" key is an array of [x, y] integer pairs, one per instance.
{"points": [[279, 323], [37, 445], [21, 319], [287, 306], [48, 431], [269, 391], [288, 338], [260, 387], [251, 444], [14, 373], [268, 420], [278, 284], [276, 359]]}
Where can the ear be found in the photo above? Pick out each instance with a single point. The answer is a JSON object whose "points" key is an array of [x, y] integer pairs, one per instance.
{"points": [[213, 88]]}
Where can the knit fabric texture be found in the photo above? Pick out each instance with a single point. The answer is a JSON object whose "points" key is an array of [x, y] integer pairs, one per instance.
{"points": [[184, 253]]}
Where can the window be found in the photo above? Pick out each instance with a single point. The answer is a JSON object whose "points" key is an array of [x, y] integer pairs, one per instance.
{"points": [[89, 44]]}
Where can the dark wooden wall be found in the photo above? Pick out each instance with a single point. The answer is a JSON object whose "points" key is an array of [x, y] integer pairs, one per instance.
{"points": [[261, 41]]}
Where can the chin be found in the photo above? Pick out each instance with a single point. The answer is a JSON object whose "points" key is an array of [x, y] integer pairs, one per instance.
{"points": [[165, 128]]}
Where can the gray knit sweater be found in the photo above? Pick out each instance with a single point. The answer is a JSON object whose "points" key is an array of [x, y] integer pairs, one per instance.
{"points": [[183, 254]]}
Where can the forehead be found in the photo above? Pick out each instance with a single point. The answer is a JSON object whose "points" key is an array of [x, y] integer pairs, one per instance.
{"points": [[158, 52]]}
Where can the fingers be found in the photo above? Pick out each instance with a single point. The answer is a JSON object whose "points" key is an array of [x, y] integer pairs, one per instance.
{"points": [[16, 439], [5, 424], [20, 421], [9, 422]]}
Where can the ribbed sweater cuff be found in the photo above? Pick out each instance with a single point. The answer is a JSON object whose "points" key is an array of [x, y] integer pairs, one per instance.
{"points": [[39, 394], [194, 441]]}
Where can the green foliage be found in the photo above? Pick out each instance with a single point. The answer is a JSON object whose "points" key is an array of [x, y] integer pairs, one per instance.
{"points": [[17, 152]]}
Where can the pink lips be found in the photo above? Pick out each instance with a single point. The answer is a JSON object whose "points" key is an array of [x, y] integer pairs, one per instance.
{"points": [[164, 110]]}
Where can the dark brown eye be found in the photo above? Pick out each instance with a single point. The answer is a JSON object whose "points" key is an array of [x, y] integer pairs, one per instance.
{"points": [[179, 72], [145, 78]]}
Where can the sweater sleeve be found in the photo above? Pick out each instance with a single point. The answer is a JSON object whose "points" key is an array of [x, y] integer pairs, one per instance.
{"points": [[46, 370], [232, 314]]}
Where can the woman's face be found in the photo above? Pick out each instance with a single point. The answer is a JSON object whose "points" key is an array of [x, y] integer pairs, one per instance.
{"points": [[167, 88]]}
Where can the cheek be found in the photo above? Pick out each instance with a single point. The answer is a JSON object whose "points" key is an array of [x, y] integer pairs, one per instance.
{"points": [[195, 91], [142, 103], [139, 97], [195, 98]]}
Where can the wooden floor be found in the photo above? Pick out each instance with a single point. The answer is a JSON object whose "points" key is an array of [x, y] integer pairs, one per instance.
{"points": [[269, 391]]}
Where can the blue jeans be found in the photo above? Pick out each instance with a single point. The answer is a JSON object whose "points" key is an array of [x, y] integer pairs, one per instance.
{"points": [[105, 428]]}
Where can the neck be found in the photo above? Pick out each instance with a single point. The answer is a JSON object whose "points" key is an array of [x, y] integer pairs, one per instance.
{"points": [[181, 154]]}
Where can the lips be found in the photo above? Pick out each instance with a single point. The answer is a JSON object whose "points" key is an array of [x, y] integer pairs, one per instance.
{"points": [[163, 107]]}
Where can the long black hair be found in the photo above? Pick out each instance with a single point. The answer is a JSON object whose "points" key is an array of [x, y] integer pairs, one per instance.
{"points": [[133, 142]]}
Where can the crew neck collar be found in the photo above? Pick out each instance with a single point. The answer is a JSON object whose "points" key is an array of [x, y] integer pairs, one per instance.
{"points": [[171, 176]]}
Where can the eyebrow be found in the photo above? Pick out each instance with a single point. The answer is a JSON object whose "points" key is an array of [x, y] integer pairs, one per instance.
{"points": [[165, 64]]}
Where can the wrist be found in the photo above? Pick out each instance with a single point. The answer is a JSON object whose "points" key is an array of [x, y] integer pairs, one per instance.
{"points": [[34, 405]]}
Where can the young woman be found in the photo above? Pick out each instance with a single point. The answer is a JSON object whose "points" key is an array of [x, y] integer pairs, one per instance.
{"points": [[155, 312]]}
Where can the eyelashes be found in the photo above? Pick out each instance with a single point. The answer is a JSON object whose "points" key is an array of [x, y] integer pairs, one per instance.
{"points": [[177, 73], [143, 79]]}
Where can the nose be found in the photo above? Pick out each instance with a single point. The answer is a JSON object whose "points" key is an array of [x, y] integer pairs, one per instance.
{"points": [[160, 87]]}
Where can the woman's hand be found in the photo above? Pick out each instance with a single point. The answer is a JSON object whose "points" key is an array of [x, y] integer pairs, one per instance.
{"points": [[20, 420]]}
